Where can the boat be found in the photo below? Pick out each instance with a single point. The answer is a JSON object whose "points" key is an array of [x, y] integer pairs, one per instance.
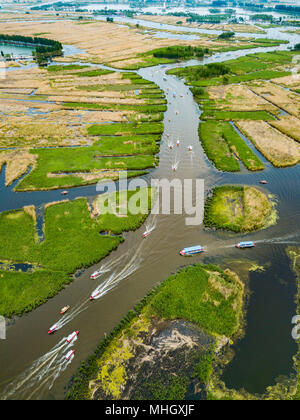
{"points": [[190, 148], [53, 329], [145, 234], [72, 336], [243, 245], [64, 309], [192, 250], [174, 95], [178, 143], [95, 274], [70, 354], [64, 192], [96, 294], [263, 182]]}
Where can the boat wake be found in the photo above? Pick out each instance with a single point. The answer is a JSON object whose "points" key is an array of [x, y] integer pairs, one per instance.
{"points": [[107, 285], [284, 240], [175, 164], [116, 277], [42, 374], [170, 144], [69, 316], [150, 225]]}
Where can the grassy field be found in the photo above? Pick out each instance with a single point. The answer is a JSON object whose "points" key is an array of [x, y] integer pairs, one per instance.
{"points": [[69, 167], [119, 124], [237, 115], [67, 226], [241, 91], [240, 209], [251, 67], [224, 147], [205, 299], [125, 129]]}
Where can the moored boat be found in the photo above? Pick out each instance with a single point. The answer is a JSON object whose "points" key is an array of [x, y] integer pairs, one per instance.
{"points": [[243, 245], [192, 251]]}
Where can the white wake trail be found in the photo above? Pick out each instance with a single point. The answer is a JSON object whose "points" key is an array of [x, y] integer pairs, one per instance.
{"points": [[41, 374]]}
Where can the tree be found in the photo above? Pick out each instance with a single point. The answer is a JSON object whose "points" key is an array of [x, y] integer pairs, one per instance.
{"points": [[226, 35]]}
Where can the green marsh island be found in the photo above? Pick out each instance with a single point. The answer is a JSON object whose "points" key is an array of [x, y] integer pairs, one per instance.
{"points": [[166, 347], [239, 208]]}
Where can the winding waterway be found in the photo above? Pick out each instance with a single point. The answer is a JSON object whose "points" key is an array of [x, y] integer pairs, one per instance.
{"points": [[267, 349]]}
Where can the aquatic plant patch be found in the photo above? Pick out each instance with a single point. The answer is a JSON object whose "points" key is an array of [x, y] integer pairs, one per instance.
{"points": [[68, 225], [240, 209]]}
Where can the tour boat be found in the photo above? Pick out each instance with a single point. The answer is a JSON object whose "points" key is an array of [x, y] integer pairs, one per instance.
{"points": [[192, 251], [70, 354], [53, 329], [72, 336], [242, 245], [64, 309]]}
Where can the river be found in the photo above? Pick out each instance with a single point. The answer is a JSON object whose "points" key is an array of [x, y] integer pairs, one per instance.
{"points": [[267, 349]]}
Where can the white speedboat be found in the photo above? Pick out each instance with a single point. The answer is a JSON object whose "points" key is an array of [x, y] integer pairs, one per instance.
{"points": [[72, 336], [96, 294], [95, 274], [53, 329], [70, 354]]}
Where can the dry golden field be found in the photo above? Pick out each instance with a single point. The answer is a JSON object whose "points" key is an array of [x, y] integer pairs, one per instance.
{"points": [[278, 148], [33, 110], [238, 98], [104, 42], [283, 99]]}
